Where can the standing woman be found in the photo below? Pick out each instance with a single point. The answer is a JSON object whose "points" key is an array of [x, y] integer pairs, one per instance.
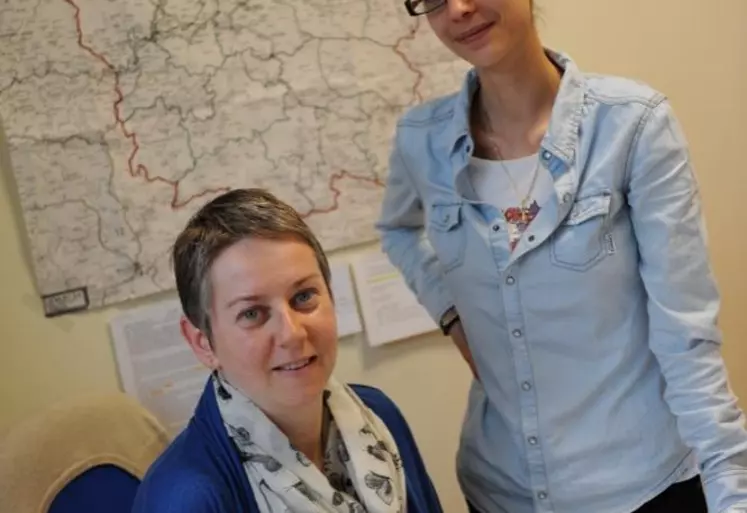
{"points": [[565, 254]]}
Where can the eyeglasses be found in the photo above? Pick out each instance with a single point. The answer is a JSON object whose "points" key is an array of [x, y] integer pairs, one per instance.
{"points": [[419, 7]]}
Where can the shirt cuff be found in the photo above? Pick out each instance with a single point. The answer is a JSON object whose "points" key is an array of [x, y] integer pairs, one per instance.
{"points": [[727, 492], [436, 303]]}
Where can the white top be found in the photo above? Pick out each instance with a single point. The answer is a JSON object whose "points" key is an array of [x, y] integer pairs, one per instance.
{"points": [[504, 183]]}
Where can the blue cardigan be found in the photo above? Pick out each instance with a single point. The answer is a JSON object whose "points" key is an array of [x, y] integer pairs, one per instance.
{"points": [[200, 472]]}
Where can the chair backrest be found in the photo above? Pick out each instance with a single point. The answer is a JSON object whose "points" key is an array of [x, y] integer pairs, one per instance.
{"points": [[87, 455]]}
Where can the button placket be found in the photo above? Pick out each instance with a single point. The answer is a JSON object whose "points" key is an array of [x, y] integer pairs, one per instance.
{"points": [[498, 242], [528, 407]]}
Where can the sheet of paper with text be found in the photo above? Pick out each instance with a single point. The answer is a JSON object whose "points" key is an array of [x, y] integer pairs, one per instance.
{"points": [[156, 365], [346, 306], [390, 310]]}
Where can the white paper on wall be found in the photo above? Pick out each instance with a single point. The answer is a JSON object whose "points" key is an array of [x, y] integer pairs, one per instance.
{"points": [[390, 310]]}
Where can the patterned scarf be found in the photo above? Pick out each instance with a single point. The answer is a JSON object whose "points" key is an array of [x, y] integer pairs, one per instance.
{"points": [[362, 459]]}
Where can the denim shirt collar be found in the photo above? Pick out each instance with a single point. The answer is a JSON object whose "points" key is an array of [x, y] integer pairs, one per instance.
{"points": [[563, 130]]}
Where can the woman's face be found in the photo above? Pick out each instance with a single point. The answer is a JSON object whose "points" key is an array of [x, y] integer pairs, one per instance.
{"points": [[483, 32], [273, 322]]}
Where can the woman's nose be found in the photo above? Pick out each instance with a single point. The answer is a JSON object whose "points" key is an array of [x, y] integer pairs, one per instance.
{"points": [[459, 9], [291, 329]]}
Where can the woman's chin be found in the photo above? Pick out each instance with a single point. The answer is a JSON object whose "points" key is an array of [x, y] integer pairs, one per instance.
{"points": [[301, 388], [300, 398]]}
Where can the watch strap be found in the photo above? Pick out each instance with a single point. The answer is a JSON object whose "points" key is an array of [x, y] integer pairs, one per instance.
{"points": [[448, 319]]}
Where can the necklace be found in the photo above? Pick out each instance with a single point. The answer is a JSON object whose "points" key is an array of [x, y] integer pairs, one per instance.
{"points": [[524, 207]]}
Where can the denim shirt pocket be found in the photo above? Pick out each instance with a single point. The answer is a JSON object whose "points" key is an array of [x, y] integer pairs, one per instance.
{"points": [[583, 239], [446, 234]]}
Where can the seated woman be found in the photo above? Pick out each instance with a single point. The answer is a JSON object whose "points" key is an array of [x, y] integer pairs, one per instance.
{"points": [[274, 432]]}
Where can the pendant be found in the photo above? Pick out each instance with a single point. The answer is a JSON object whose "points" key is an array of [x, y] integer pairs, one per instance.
{"points": [[521, 216], [524, 212]]}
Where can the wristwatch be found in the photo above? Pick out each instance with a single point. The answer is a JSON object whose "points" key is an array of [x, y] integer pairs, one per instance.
{"points": [[448, 319]]}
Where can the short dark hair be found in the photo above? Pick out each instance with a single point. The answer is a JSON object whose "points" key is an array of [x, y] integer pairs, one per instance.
{"points": [[227, 219]]}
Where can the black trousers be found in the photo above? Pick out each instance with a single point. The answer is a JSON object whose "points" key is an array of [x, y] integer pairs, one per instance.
{"points": [[684, 497]]}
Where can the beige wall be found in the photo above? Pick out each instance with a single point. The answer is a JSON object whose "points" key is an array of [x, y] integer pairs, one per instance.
{"points": [[695, 51]]}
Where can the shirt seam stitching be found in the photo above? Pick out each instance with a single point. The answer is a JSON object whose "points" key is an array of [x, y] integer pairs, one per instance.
{"points": [[627, 99], [405, 121], [642, 124]]}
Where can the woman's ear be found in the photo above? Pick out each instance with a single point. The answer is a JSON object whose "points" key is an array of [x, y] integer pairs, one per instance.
{"points": [[199, 343]]}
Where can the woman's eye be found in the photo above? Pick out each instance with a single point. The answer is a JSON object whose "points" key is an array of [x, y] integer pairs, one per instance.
{"points": [[250, 314], [304, 297]]}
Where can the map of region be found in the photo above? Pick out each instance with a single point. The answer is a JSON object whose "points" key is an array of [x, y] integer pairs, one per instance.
{"points": [[123, 117]]}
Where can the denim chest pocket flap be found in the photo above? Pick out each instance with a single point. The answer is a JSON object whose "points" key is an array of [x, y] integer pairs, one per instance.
{"points": [[588, 207], [579, 242], [446, 234]]}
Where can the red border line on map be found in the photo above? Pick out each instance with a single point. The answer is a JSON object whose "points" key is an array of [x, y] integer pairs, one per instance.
{"points": [[336, 192], [141, 170], [409, 37]]}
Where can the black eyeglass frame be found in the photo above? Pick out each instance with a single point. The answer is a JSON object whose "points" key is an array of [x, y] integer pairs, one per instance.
{"points": [[412, 12]]}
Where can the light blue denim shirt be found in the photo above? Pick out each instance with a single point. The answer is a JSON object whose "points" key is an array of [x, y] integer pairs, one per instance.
{"points": [[595, 341]]}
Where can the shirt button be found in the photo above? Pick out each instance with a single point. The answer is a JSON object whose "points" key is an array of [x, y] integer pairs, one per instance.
{"points": [[567, 197], [510, 280], [532, 440], [496, 227], [542, 495], [546, 155], [526, 386], [531, 238], [517, 333]]}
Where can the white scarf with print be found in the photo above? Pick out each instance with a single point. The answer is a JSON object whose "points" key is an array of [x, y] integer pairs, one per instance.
{"points": [[285, 481]]}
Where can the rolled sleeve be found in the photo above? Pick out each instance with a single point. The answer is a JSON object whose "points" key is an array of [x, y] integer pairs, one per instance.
{"points": [[683, 305], [403, 239], [721, 495]]}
